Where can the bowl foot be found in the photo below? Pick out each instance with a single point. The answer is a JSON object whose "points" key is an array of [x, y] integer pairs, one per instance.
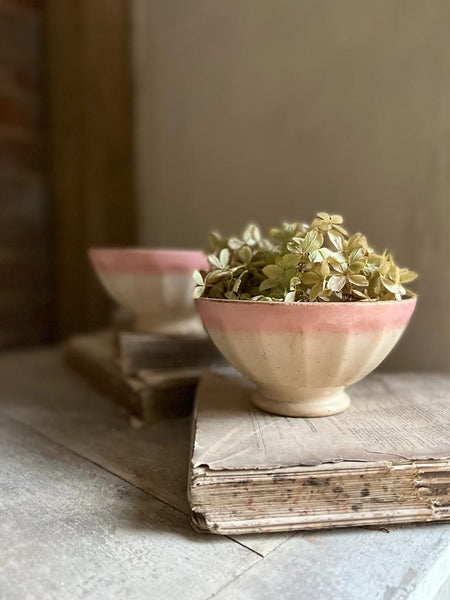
{"points": [[314, 402]]}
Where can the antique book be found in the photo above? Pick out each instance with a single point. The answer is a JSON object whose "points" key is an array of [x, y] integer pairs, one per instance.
{"points": [[139, 374], [383, 461], [139, 351]]}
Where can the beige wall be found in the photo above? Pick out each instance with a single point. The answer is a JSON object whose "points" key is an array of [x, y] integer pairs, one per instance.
{"points": [[272, 109]]}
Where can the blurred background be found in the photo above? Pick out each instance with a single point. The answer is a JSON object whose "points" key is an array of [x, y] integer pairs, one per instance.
{"points": [[150, 122]]}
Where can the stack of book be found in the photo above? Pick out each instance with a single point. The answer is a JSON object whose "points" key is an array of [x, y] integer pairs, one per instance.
{"points": [[151, 375], [383, 461]]}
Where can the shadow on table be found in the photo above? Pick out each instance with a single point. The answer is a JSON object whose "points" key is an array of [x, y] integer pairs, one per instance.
{"points": [[38, 390]]}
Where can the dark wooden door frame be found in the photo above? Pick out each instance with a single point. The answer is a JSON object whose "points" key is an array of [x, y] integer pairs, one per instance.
{"points": [[91, 157]]}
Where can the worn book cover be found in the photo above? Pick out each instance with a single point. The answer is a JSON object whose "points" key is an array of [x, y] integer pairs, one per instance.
{"points": [[385, 460], [155, 388], [143, 351]]}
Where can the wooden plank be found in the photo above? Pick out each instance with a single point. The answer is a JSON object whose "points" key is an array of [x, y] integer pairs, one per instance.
{"points": [[407, 562], [72, 530], [24, 317], [90, 146], [444, 592], [36, 388], [25, 241]]}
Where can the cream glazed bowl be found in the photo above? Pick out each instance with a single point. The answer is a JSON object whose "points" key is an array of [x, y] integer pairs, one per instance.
{"points": [[303, 355], [154, 284]]}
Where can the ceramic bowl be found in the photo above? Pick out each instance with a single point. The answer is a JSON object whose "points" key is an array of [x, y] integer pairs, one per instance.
{"points": [[154, 284], [302, 356]]}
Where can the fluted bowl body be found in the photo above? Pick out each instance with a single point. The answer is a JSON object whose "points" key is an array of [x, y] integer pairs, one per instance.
{"points": [[154, 284], [303, 355]]}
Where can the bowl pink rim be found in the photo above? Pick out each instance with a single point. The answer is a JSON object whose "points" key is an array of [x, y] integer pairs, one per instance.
{"points": [[296, 317], [412, 298], [141, 261]]}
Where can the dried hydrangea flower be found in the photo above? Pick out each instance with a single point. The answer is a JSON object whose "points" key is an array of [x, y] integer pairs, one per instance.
{"points": [[301, 263]]}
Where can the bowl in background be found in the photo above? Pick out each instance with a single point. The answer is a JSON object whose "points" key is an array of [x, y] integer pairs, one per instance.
{"points": [[303, 355], [154, 284]]}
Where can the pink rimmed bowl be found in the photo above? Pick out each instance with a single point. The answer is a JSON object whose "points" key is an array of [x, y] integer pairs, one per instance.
{"points": [[302, 356], [154, 284]]}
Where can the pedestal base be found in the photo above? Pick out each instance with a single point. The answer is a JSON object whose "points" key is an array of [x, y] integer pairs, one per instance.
{"points": [[305, 402]]}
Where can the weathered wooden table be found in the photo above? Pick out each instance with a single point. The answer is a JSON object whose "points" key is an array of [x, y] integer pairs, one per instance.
{"points": [[93, 508]]}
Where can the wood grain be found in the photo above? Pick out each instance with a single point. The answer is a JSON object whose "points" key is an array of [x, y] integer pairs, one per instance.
{"points": [[58, 403], [406, 562], [90, 146], [26, 295], [82, 512], [74, 530]]}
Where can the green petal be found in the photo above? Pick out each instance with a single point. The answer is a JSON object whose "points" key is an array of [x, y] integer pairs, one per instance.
{"points": [[214, 261], [358, 279], [273, 271], [315, 291], [198, 291], [197, 276], [407, 276], [310, 278], [267, 284], [336, 283]]}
